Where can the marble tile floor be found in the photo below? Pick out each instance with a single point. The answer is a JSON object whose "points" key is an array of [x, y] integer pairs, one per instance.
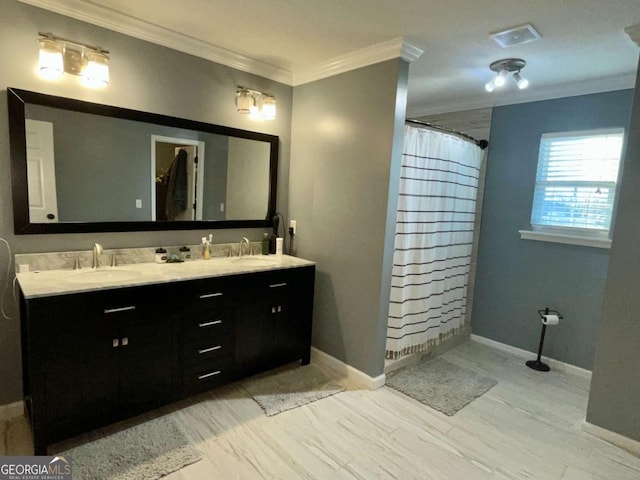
{"points": [[526, 427]]}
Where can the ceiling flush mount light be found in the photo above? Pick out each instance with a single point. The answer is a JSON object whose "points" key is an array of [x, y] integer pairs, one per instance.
{"points": [[504, 68], [60, 55], [258, 105]]}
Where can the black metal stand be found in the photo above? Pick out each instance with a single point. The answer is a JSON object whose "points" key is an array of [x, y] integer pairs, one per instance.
{"points": [[537, 364]]}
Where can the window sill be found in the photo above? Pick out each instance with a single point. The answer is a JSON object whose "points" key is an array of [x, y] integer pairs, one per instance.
{"points": [[567, 239]]}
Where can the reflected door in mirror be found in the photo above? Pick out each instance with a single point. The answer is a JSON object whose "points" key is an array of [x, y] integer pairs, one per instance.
{"points": [[43, 204]]}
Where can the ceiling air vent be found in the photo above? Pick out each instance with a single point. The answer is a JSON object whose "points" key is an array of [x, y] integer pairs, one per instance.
{"points": [[516, 36]]}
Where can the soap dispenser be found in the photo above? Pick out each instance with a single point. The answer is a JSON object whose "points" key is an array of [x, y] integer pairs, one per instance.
{"points": [[206, 249]]}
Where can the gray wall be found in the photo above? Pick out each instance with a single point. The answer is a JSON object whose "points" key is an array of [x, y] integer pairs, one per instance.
{"points": [[615, 385], [517, 277], [215, 177], [143, 77], [247, 179], [347, 139]]}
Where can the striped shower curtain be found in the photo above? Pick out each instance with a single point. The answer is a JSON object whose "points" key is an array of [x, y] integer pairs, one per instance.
{"points": [[434, 237]]}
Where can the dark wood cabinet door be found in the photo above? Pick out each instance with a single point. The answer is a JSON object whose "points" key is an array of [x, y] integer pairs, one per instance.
{"points": [[273, 320], [291, 300], [254, 332], [80, 365], [148, 359]]}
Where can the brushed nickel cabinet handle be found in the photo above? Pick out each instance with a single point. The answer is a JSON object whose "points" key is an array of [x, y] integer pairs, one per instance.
{"points": [[209, 324], [207, 375], [210, 295], [210, 349], [276, 285], [125, 341], [120, 309], [116, 343]]}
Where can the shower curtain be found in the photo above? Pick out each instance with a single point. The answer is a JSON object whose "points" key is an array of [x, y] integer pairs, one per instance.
{"points": [[433, 242]]}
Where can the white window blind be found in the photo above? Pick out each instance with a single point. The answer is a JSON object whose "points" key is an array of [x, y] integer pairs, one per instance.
{"points": [[576, 180]]}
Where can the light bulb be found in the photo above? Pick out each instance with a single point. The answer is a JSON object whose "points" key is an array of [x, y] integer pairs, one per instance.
{"points": [[520, 81], [254, 112], [50, 59], [96, 71], [244, 101], [269, 108], [500, 80], [490, 86]]}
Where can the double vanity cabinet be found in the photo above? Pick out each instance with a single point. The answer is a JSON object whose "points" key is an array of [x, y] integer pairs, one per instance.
{"points": [[94, 357]]}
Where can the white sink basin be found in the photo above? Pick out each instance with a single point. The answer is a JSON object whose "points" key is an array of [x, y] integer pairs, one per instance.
{"points": [[253, 260], [102, 276]]}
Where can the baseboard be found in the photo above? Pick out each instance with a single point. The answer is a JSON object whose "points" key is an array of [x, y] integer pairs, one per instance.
{"points": [[11, 410], [554, 364], [360, 379], [626, 443]]}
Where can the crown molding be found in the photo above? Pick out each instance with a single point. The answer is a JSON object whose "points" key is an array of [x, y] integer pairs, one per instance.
{"points": [[125, 24], [634, 34], [394, 48], [484, 99]]}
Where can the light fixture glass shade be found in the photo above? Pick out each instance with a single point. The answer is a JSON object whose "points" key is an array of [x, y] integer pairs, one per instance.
{"points": [[520, 81], [255, 112], [96, 71], [500, 80], [490, 86], [50, 59], [269, 108], [244, 101]]}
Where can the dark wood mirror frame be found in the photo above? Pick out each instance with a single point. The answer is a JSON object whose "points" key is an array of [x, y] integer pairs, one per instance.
{"points": [[18, 99]]}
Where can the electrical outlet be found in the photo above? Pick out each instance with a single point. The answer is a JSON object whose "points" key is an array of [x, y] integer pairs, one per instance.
{"points": [[292, 224], [222, 207], [138, 203]]}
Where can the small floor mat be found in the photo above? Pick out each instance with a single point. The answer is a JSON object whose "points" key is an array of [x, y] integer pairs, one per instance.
{"points": [[441, 384], [147, 451], [291, 388]]}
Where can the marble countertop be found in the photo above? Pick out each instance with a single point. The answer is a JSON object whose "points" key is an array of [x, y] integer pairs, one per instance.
{"points": [[61, 282]]}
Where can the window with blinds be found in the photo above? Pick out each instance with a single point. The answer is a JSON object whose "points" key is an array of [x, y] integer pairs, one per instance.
{"points": [[576, 181]]}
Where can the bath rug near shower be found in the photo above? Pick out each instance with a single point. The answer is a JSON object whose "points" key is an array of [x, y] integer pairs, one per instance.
{"points": [[441, 384], [277, 393], [147, 451]]}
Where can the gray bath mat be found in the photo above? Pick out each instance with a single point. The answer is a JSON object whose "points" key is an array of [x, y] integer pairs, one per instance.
{"points": [[441, 384], [147, 451], [290, 389]]}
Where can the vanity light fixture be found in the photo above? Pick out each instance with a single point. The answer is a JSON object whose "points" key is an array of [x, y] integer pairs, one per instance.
{"points": [[503, 69], [258, 105], [60, 55]]}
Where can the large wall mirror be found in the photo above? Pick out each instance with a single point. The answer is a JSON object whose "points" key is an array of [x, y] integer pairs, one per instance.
{"points": [[84, 167]]}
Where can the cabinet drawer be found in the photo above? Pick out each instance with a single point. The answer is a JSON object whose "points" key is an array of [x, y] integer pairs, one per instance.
{"points": [[208, 325], [204, 295], [201, 352], [209, 375]]}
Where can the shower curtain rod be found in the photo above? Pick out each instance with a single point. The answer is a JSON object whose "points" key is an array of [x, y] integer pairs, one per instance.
{"points": [[483, 144]]}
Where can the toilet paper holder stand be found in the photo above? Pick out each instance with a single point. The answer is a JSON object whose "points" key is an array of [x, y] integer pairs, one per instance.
{"points": [[537, 364]]}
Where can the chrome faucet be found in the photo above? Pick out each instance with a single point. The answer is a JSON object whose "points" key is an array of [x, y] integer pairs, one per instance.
{"points": [[242, 242], [97, 250]]}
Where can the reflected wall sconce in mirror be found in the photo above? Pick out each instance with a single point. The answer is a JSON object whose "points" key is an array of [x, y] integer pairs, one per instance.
{"points": [[60, 55], [258, 105], [503, 69]]}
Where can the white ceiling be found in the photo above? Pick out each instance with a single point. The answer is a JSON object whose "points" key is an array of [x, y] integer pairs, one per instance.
{"points": [[583, 48]]}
